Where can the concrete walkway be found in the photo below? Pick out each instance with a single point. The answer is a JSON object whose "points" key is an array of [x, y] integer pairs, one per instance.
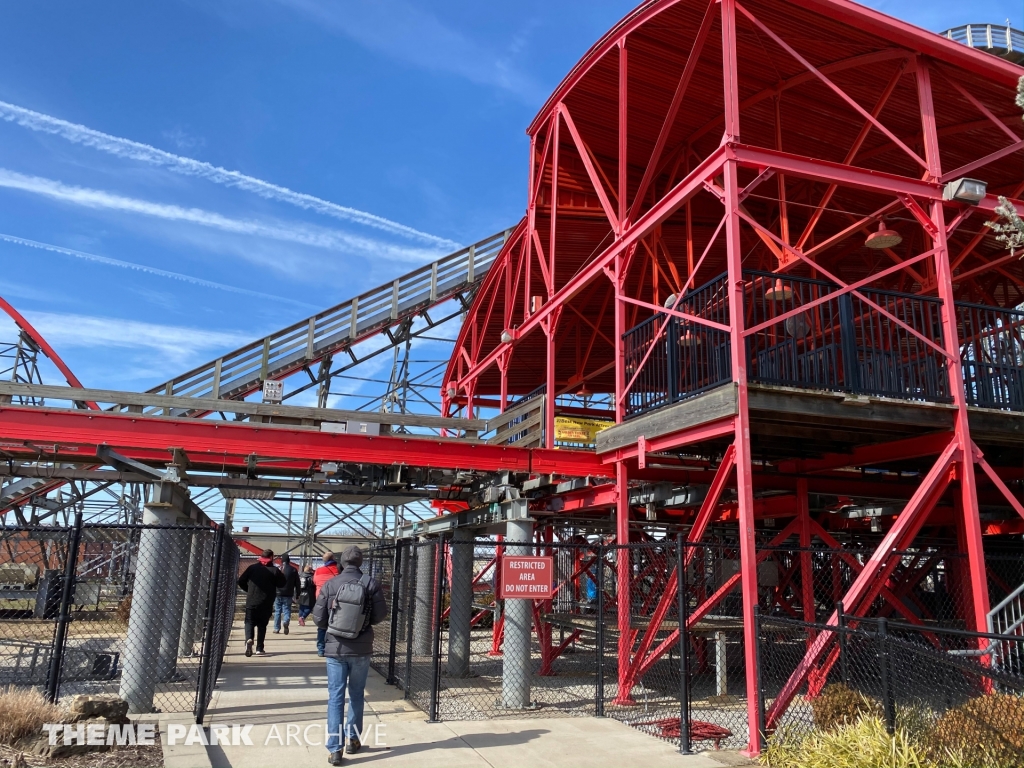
{"points": [[287, 691]]}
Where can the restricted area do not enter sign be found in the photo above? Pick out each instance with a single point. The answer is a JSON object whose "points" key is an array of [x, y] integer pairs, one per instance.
{"points": [[527, 577]]}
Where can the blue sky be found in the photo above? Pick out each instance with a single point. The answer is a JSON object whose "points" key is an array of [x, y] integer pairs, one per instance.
{"points": [[237, 165]]}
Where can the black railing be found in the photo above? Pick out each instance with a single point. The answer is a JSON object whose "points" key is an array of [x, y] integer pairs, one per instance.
{"points": [[669, 358], [992, 355], [857, 343], [808, 335]]}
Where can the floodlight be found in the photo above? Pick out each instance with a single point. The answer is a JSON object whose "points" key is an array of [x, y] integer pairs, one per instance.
{"points": [[965, 190]]}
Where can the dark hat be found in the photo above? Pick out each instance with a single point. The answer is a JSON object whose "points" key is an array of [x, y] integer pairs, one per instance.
{"points": [[285, 559], [267, 553], [352, 556]]}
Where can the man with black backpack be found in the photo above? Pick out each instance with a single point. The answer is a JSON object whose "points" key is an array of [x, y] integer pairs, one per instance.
{"points": [[347, 607]]}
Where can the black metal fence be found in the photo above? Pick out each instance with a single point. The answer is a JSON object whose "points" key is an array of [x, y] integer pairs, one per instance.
{"points": [[943, 687], [460, 652], [804, 333], [140, 611]]}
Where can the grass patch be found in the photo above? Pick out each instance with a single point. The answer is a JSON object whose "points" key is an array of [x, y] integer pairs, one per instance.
{"points": [[23, 712], [862, 744]]}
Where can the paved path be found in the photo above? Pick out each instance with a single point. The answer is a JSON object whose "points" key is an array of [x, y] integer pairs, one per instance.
{"points": [[289, 687]]}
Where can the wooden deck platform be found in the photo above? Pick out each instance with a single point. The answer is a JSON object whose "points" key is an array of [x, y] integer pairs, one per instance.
{"points": [[786, 422]]}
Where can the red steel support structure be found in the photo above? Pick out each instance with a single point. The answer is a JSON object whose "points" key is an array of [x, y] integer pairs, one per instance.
{"points": [[760, 341], [647, 180]]}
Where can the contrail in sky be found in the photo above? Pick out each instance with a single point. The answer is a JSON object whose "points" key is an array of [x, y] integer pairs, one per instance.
{"points": [[303, 234], [133, 150], [148, 270]]}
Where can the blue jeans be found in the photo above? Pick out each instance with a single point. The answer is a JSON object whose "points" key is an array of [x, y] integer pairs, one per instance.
{"points": [[282, 607], [321, 640], [305, 610], [342, 671]]}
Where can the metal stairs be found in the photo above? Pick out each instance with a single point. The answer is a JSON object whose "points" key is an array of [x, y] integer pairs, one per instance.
{"points": [[1007, 618]]}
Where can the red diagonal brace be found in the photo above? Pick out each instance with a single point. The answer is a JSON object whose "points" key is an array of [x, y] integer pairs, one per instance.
{"points": [[704, 609], [875, 573], [668, 597]]}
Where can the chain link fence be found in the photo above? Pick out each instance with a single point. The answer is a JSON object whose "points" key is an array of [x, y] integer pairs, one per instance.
{"points": [[139, 611], [944, 688], [606, 640]]}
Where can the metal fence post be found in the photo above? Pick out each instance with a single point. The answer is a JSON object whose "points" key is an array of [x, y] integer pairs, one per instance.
{"points": [[760, 685], [414, 554], [599, 634], [60, 636], [684, 645], [396, 575], [844, 659], [888, 707], [212, 616], [435, 653]]}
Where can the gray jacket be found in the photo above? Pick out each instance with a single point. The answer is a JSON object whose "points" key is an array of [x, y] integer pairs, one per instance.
{"points": [[362, 645]]}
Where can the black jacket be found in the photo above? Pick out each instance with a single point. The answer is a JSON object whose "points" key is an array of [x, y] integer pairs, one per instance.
{"points": [[307, 590], [362, 645], [291, 581], [260, 583]]}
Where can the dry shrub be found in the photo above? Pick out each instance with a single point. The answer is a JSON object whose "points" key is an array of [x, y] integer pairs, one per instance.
{"points": [[22, 714], [838, 704], [863, 744], [986, 731], [124, 609]]}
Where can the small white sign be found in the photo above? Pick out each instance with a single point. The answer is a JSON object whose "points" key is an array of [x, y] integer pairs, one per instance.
{"points": [[273, 391]]}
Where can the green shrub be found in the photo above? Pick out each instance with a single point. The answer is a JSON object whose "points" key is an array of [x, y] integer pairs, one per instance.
{"points": [[839, 705], [862, 744], [986, 731]]}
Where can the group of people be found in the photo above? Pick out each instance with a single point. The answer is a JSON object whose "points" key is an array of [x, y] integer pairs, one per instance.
{"points": [[344, 603]]}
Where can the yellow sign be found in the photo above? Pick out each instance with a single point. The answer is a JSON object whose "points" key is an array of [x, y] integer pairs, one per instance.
{"points": [[571, 429]]}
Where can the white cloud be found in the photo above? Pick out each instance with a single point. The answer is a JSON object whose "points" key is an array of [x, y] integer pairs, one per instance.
{"points": [[148, 270], [317, 237], [133, 150], [174, 344], [409, 33]]}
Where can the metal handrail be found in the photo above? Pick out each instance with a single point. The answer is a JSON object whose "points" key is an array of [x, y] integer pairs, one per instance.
{"points": [[243, 371], [1016, 595], [988, 36]]}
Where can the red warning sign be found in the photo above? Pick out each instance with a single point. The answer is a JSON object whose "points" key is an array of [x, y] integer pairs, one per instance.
{"points": [[527, 577]]}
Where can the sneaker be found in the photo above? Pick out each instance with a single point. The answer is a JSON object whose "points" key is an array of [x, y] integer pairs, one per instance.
{"points": [[278, 632], [335, 758], [302, 622], [248, 648], [354, 745], [261, 652], [286, 629]]}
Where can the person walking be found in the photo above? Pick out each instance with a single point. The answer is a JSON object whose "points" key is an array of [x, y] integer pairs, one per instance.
{"points": [[307, 594], [321, 576], [346, 609], [285, 595], [260, 582]]}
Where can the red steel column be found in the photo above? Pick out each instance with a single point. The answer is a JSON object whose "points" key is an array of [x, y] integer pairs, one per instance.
{"points": [[623, 573], [744, 472], [944, 279], [806, 561]]}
